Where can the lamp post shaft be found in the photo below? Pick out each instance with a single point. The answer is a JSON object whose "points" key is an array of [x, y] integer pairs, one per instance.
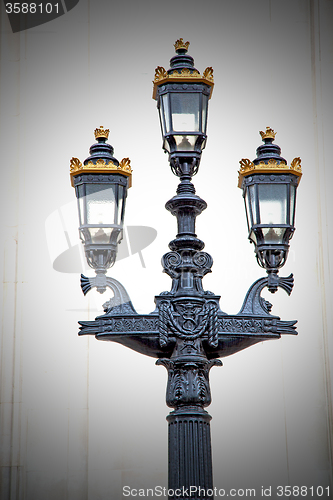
{"points": [[188, 391], [190, 457], [188, 312]]}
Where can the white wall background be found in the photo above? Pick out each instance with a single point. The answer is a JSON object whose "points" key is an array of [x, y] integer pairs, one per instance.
{"points": [[81, 418]]}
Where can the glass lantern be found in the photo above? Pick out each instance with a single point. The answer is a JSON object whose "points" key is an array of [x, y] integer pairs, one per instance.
{"points": [[269, 190], [101, 185], [101, 214], [182, 96]]}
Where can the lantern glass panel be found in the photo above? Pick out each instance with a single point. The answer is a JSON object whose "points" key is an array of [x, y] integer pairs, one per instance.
{"points": [[80, 200], [273, 235], [292, 204], [247, 211], [253, 204], [204, 112], [121, 205], [165, 115], [253, 237], [185, 108], [166, 145], [101, 204], [273, 203], [100, 235], [185, 142]]}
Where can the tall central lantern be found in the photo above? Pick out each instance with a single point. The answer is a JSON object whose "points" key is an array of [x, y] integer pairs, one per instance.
{"points": [[182, 96]]}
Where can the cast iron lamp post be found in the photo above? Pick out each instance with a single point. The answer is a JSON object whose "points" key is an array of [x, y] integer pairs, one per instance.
{"points": [[187, 332]]}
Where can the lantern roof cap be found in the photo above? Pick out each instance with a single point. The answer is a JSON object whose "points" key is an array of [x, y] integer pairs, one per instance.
{"points": [[101, 159], [268, 150], [182, 70], [268, 160]]}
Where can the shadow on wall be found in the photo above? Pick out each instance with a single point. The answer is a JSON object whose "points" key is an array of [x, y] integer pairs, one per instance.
{"points": [[66, 251]]}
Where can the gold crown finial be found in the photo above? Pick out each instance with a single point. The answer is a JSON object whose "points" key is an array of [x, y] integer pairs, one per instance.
{"points": [[269, 134], [100, 132], [180, 44]]}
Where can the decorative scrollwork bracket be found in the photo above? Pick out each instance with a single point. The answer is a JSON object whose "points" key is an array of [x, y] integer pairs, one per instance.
{"points": [[120, 303], [254, 304]]}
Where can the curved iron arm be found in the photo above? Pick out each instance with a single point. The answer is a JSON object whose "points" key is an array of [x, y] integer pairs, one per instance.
{"points": [[156, 334], [255, 304]]}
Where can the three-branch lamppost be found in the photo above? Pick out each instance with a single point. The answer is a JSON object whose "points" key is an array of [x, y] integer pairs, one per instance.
{"points": [[187, 332]]}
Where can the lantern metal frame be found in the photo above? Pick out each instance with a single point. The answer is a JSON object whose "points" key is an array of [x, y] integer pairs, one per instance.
{"points": [[269, 169], [184, 80], [103, 170], [101, 255], [187, 331], [166, 113], [270, 255]]}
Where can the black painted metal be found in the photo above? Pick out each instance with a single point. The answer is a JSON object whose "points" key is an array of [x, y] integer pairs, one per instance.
{"points": [[188, 332], [100, 255], [184, 153], [270, 255], [190, 455]]}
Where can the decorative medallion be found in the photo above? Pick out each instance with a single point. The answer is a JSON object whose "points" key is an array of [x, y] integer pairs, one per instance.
{"points": [[188, 320]]}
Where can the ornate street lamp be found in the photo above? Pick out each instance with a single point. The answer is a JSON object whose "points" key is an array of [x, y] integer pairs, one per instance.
{"points": [[187, 332], [182, 99], [269, 189], [101, 185]]}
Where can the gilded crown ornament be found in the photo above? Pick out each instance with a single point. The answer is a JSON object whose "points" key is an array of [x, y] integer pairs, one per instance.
{"points": [[296, 164], [160, 73], [178, 74], [181, 45], [125, 164], [247, 167], [101, 133], [208, 74], [269, 134], [75, 164], [277, 165], [185, 73], [101, 167], [97, 165]]}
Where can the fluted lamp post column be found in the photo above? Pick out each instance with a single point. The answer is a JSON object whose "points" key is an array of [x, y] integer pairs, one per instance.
{"points": [[187, 332]]}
